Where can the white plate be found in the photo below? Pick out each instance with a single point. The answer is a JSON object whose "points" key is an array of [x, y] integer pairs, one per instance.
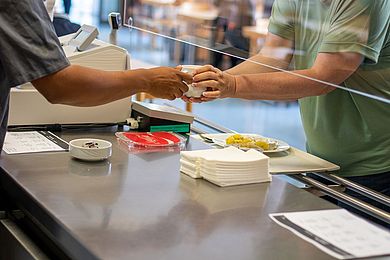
{"points": [[220, 139]]}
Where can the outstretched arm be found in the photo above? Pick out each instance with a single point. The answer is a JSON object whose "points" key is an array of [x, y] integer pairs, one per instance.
{"points": [[274, 56], [250, 80], [328, 67], [82, 86]]}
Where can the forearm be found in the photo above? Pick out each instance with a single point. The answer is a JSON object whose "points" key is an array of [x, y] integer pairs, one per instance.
{"points": [[332, 68], [286, 86], [81, 86], [259, 64], [282, 85]]}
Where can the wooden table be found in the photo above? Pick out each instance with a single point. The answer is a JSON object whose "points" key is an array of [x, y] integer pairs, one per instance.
{"points": [[254, 33], [158, 2], [198, 19], [197, 13]]}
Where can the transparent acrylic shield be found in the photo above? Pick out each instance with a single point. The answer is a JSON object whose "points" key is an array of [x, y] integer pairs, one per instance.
{"points": [[315, 74], [239, 29]]}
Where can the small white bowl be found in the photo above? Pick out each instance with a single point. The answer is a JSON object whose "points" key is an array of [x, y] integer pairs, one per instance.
{"points": [[192, 91], [89, 149]]}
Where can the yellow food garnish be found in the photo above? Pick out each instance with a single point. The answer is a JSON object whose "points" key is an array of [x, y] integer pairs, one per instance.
{"points": [[246, 140], [238, 137], [262, 144], [230, 140], [251, 142]]}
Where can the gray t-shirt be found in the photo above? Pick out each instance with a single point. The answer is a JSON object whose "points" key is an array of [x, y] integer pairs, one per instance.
{"points": [[29, 49]]}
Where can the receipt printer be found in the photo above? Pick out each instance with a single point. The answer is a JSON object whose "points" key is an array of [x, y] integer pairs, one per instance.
{"points": [[155, 118]]}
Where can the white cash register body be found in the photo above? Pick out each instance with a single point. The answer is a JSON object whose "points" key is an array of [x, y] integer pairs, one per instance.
{"points": [[29, 107]]}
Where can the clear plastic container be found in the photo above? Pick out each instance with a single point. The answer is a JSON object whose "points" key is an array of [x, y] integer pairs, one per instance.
{"points": [[150, 142]]}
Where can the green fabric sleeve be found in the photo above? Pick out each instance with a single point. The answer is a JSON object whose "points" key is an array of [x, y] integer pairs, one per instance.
{"points": [[282, 19], [370, 54], [358, 26]]}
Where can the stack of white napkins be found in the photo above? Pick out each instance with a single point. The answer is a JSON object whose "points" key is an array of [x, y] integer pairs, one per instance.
{"points": [[226, 167]]}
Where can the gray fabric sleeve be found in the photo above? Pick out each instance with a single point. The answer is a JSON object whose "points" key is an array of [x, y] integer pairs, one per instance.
{"points": [[29, 47]]}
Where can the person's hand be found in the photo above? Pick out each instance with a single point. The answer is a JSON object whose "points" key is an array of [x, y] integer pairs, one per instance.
{"points": [[165, 82], [218, 84], [197, 100]]}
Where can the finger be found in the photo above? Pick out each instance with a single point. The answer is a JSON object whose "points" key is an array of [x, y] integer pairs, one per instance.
{"points": [[178, 93], [212, 94], [175, 90], [204, 69], [171, 97], [206, 99], [178, 67], [207, 84], [184, 76], [196, 100], [183, 87], [205, 76], [185, 99]]}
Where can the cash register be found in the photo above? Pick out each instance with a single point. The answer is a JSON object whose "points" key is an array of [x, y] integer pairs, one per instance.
{"points": [[29, 107]]}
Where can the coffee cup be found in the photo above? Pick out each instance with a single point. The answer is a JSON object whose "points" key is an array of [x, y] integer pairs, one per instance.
{"points": [[195, 92]]}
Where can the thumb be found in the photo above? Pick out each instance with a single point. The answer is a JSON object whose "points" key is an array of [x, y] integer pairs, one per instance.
{"points": [[185, 76]]}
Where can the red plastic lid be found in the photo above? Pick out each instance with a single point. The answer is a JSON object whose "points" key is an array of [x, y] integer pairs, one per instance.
{"points": [[150, 139]]}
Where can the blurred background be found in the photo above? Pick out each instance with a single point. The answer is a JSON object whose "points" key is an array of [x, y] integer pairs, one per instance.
{"points": [[237, 27]]}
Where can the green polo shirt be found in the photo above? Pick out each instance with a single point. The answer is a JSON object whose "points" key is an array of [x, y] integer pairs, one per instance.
{"points": [[348, 129]]}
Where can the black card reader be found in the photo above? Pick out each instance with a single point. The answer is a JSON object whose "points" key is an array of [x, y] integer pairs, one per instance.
{"points": [[156, 118]]}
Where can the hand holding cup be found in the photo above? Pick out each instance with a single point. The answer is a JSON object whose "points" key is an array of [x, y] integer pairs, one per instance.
{"points": [[218, 84], [193, 92]]}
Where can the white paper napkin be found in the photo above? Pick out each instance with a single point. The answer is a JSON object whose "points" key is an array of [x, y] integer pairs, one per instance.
{"points": [[227, 166]]}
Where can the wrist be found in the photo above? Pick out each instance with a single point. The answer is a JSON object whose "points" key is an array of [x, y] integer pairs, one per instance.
{"points": [[140, 80], [232, 85]]}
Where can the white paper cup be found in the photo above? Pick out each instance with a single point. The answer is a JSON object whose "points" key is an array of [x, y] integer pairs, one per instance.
{"points": [[192, 91]]}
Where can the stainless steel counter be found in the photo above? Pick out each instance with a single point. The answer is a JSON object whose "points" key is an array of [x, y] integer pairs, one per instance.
{"points": [[141, 207]]}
